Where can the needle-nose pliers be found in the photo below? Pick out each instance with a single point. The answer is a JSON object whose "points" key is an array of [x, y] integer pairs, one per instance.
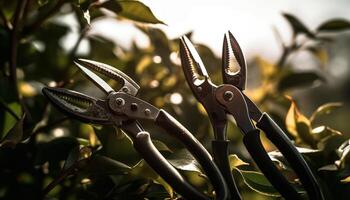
{"points": [[228, 98], [123, 109]]}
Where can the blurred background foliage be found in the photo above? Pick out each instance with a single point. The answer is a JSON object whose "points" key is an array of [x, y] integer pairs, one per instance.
{"points": [[46, 155]]}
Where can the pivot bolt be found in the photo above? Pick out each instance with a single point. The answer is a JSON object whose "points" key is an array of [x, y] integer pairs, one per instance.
{"points": [[133, 106], [120, 102], [147, 112], [125, 89], [228, 96]]}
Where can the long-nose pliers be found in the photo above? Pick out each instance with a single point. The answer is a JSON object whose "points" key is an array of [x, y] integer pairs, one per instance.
{"points": [[228, 98], [123, 109]]}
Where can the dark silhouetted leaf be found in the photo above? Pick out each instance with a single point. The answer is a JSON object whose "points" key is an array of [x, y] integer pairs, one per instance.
{"points": [[14, 136], [137, 11], [334, 25], [142, 169], [297, 25], [299, 79], [72, 158], [98, 165]]}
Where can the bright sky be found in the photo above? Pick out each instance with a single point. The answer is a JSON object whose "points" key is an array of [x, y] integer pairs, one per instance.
{"points": [[251, 21]]}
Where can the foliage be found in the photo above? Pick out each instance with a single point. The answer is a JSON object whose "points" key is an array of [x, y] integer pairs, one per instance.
{"points": [[44, 154]]}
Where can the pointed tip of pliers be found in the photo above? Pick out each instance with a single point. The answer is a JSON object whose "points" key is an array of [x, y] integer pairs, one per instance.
{"points": [[128, 85], [192, 64], [233, 63]]}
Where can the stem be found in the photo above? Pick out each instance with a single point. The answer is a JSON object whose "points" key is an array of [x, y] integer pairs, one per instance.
{"points": [[41, 19], [56, 181], [14, 45]]}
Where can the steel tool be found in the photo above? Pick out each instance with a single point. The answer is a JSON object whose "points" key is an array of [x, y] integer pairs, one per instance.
{"points": [[228, 98], [121, 108]]}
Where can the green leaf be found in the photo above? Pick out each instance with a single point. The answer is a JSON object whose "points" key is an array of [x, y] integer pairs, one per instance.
{"points": [[331, 167], [235, 161], [183, 160], [42, 2], [137, 11], [72, 158], [60, 147], [99, 164], [322, 132], [258, 182], [334, 25], [9, 121], [161, 146], [111, 5], [299, 79], [325, 109], [297, 25], [14, 136], [142, 169]]}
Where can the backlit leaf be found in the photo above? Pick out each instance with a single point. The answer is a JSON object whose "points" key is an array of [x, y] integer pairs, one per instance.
{"points": [[161, 146], [325, 109], [235, 161], [137, 11], [345, 180]]}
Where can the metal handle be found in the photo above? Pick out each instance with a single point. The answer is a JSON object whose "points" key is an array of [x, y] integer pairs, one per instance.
{"points": [[275, 134], [143, 144], [220, 155], [255, 148], [172, 126]]}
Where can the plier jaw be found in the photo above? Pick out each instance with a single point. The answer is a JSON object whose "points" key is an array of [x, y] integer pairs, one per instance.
{"points": [[83, 107], [200, 83], [108, 110], [234, 68], [129, 86]]}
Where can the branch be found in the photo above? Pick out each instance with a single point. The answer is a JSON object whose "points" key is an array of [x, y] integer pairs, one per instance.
{"points": [[14, 44]]}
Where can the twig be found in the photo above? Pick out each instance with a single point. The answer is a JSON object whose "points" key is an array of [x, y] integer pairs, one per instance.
{"points": [[42, 18], [14, 45]]}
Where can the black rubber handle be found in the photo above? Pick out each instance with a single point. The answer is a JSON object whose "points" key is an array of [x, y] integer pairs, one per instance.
{"points": [[176, 129], [220, 155], [255, 148], [143, 144], [275, 134]]}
